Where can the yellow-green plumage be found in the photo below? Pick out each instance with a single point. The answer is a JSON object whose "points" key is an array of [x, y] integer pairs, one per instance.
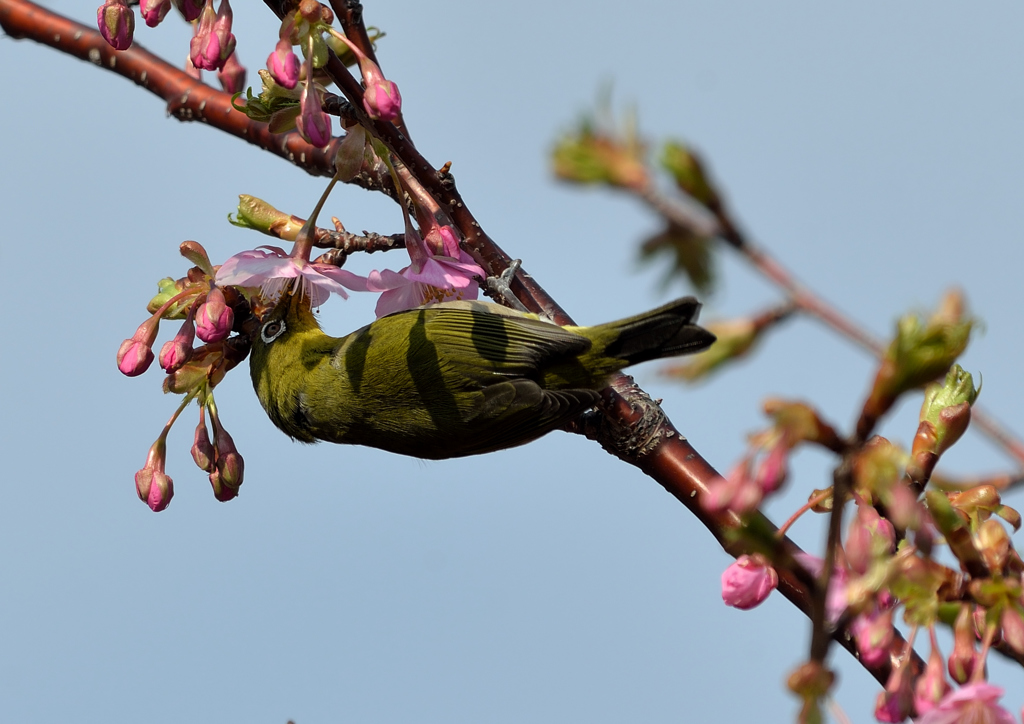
{"points": [[452, 379]]}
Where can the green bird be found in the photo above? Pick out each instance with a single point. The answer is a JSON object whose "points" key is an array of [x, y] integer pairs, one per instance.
{"points": [[451, 379]]}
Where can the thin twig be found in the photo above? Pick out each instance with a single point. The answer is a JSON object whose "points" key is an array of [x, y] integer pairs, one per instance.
{"points": [[806, 299]]}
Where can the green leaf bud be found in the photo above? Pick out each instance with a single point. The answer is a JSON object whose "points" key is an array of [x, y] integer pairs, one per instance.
{"points": [[588, 156], [688, 172], [690, 256], [257, 214], [920, 352], [168, 289]]}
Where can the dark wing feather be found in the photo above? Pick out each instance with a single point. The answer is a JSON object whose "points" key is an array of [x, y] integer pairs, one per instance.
{"points": [[517, 411], [514, 346], [503, 357]]}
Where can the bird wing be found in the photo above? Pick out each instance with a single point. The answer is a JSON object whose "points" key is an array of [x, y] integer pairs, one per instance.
{"points": [[521, 411], [502, 357], [507, 345]]}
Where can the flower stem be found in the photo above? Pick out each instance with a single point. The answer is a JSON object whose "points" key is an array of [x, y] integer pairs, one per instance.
{"points": [[823, 495], [307, 234]]}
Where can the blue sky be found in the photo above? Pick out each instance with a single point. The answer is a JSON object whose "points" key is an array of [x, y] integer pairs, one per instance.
{"points": [[875, 149]]}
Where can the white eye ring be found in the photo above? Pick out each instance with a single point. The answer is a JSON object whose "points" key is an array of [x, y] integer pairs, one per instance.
{"points": [[268, 334]]}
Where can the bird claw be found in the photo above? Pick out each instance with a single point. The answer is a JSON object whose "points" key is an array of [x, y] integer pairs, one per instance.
{"points": [[501, 286]]}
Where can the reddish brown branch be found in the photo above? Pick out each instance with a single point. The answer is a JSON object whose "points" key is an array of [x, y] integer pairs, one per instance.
{"points": [[187, 98]]}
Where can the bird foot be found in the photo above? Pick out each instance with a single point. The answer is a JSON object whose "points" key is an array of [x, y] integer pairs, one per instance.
{"points": [[501, 285]]}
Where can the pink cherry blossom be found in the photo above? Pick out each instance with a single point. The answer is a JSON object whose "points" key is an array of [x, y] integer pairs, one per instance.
{"points": [[748, 582], [271, 269], [429, 278], [975, 703]]}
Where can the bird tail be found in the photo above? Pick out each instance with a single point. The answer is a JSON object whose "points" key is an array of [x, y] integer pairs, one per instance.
{"points": [[663, 332]]}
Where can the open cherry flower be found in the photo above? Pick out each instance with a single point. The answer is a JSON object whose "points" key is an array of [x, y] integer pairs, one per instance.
{"points": [[429, 278], [271, 269]]}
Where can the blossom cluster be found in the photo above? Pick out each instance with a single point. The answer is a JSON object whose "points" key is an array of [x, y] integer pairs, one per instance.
{"points": [[214, 302], [284, 103], [208, 312], [220, 305], [886, 567], [212, 46]]}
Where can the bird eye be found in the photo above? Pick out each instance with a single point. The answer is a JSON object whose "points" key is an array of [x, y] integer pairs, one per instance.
{"points": [[272, 330]]}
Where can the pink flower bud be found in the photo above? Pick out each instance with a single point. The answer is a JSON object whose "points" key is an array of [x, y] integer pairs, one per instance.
{"points": [[153, 11], [155, 488], [227, 477], [136, 354], [440, 240], [873, 635], [283, 64], [202, 449], [117, 23], [204, 49], [772, 473], [964, 658], [214, 318], [351, 153], [213, 42], [232, 75], [1013, 628], [836, 597], [189, 9], [314, 125], [748, 581], [904, 508], [737, 492], [932, 685], [895, 703], [870, 536], [220, 491], [222, 29], [229, 461], [382, 100], [134, 358], [994, 544], [175, 353]]}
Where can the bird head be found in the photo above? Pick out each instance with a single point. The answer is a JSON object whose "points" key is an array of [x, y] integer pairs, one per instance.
{"points": [[286, 340]]}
